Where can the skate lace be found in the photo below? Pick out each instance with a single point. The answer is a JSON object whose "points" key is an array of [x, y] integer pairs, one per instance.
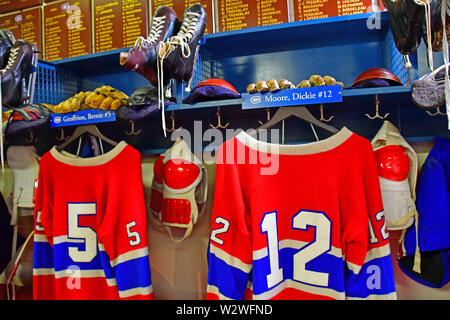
{"points": [[155, 32], [182, 39], [427, 7], [185, 34], [12, 58]]}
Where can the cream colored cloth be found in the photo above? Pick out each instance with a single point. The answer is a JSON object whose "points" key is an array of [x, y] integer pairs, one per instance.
{"points": [[24, 163], [196, 194], [390, 135]]}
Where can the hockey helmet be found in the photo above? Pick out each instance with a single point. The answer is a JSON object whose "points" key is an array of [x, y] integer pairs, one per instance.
{"points": [[392, 163], [179, 191], [31, 116], [218, 83], [393, 167], [212, 89], [376, 77], [142, 103]]}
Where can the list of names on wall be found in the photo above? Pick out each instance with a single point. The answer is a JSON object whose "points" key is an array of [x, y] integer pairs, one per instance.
{"points": [[317, 9], [179, 6], [118, 23], [25, 25], [241, 14], [134, 20], [12, 5], [67, 28]]}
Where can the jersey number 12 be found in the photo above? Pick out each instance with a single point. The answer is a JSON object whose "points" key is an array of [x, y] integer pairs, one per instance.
{"points": [[321, 244]]}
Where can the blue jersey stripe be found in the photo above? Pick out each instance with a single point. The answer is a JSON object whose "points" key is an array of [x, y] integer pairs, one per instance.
{"points": [[133, 274], [63, 260], [325, 263], [106, 266], [231, 281], [42, 255], [375, 278]]}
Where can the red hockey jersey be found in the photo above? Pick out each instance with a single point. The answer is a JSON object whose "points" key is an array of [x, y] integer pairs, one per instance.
{"points": [[90, 237], [298, 222]]}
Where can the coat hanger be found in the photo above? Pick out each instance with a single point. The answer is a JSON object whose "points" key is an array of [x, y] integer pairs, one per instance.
{"points": [[300, 112], [80, 130]]}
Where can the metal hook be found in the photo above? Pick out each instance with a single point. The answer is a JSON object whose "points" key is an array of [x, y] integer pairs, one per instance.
{"points": [[132, 131], [219, 121], [172, 118], [62, 137], [377, 108], [437, 113], [32, 139], [268, 116], [321, 114]]}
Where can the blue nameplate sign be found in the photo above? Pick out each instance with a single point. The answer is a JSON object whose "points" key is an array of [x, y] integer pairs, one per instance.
{"points": [[292, 97], [81, 117]]}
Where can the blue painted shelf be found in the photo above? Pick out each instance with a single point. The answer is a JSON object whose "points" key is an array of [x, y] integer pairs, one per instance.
{"points": [[334, 31], [403, 91], [374, 91], [342, 47], [279, 37], [207, 104]]}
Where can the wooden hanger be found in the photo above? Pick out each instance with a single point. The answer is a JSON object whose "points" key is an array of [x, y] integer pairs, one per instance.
{"points": [[80, 130], [300, 112]]}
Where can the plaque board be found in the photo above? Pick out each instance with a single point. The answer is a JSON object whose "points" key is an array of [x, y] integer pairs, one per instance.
{"points": [[292, 97], [241, 14], [26, 25], [81, 117], [317, 9], [180, 5], [117, 24], [67, 29], [14, 5]]}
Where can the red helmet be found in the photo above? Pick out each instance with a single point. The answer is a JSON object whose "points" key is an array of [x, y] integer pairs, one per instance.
{"points": [[392, 163], [377, 73], [217, 82]]}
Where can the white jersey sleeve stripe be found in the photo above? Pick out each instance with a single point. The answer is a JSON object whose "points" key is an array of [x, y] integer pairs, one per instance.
{"points": [[230, 260], [135, 254], [136, 291]]}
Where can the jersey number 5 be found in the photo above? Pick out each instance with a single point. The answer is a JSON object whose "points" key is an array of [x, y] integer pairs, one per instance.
{"points": [[88, 236], [75, 233]]}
